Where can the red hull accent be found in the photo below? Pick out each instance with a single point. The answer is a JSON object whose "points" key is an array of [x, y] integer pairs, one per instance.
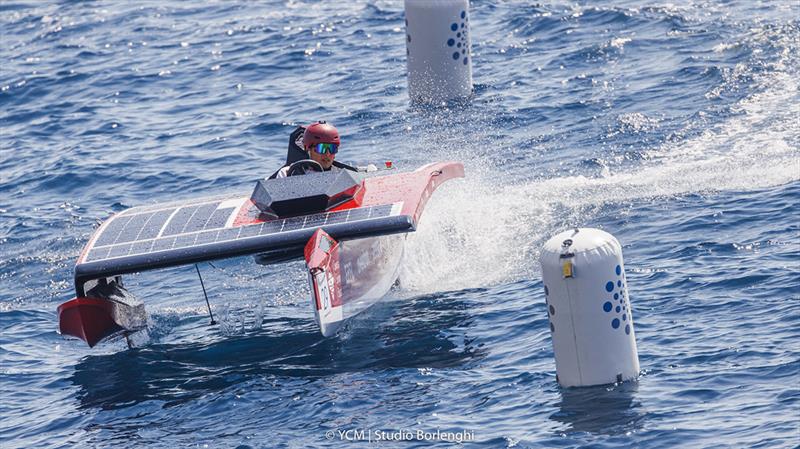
{"points": [[322, 255], [89, 319], [413, 189]]}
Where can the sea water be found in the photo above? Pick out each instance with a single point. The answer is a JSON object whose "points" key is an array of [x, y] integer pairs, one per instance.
{"points": [[673, 126]]}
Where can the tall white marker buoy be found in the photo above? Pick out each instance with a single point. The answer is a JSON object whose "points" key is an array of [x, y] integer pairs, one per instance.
{"points": [[590, 313], [438, 50]]}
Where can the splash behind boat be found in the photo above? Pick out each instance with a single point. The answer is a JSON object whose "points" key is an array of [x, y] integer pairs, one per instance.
{"points": [[350, 230]]}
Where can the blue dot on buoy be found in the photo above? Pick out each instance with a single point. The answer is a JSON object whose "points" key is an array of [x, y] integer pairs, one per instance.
{"points": [[459, 45], [546, 291], [465, 61], [619, 270], [627, 329], [451, 42], [619, 283], [615, 323], [616, 295], [455, 55], [462, 24], [624, 317], [454, 26], [458, 34], [609, 286], [617, 309], [607, 306], [463, 14]]}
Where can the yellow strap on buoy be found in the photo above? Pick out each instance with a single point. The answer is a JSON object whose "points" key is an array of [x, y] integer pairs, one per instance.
{"points": [[566, 269]]}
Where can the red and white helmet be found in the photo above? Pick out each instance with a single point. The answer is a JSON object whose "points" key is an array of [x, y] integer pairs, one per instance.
{"points": [[320, 132]]}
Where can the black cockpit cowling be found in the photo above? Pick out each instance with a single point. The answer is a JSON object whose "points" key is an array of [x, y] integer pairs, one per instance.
{"points": [[307, 194]]}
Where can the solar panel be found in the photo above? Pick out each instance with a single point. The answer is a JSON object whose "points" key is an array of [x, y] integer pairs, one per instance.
{"points": [[197, 225], [218, 218], [176, 204], [153, 225], [178, 222], [112, 230]]}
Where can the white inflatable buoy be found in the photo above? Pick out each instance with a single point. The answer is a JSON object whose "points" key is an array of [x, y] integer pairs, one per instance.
{"points": [[590, 313], [438, 50]]}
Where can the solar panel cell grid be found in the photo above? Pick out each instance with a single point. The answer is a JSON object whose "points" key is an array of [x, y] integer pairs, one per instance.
{"points": [[228, 234], [206, 237], [98, 254], [164, 243], [153, 226], [131, 230], [316, 220], [171, 206], [142, 247], [250, 231], [358, 214], [119, 250], [179, 220], [218, 218], [194, 218], [271, 227], [183, 241], [112, 230], [291, 224], [200, 217]]}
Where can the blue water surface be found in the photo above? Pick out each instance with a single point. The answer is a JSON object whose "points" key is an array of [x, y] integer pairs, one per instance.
{"points": [[673, 126]]}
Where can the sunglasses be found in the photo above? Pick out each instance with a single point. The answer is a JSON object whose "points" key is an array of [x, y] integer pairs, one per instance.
{"points": [[323, 148]]}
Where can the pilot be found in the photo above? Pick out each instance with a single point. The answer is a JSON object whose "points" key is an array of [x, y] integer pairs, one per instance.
{"points": [[321, 143]]}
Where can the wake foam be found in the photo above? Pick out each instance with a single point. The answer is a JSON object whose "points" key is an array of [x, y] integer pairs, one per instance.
{"points": [[482, 231]]}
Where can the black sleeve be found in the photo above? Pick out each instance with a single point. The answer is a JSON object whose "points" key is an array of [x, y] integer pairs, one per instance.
{"points": [[344, 166]]}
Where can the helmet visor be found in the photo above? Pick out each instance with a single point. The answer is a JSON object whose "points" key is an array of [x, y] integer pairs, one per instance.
{"points": [[323, 148]]}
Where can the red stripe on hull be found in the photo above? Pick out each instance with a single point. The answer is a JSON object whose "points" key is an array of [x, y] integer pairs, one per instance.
{"points": [[322, 254]]}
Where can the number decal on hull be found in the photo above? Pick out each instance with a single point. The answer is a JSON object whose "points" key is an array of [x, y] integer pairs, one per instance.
{"points": [[324, 291]]}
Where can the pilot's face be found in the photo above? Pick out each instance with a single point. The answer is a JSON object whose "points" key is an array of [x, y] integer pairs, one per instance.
{"points": [[325, 160]]}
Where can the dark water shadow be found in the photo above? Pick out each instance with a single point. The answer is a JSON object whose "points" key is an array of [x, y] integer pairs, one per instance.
{"points": [[429, 331], [605, 410], [408, 336]]}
